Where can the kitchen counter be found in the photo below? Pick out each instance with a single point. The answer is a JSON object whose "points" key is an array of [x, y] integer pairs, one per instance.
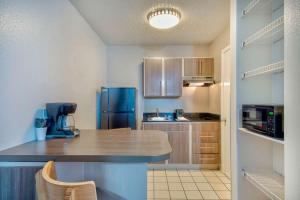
{"points": [[191, 117], [109, 158], [94, 146]]}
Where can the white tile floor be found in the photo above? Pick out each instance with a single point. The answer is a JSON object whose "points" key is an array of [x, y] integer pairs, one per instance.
{"points": [[188, 184]]}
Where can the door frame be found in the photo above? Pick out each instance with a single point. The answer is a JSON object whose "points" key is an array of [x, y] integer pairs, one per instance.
{"points": [[228, 121]]}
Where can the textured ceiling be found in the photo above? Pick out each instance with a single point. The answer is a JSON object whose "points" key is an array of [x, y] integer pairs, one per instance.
{"points": [[124, 21]]}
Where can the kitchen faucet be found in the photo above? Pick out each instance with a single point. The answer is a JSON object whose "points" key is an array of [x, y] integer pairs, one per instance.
{"points": [[157, 112]]}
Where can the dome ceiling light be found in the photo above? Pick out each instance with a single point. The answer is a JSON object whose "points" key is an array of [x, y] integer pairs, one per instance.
{"points": [[164, 17]]}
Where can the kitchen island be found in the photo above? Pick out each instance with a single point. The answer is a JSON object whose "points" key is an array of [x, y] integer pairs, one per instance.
{"points": [[115, 160]]}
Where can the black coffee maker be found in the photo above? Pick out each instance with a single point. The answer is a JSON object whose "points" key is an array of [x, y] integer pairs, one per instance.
{"points": [[59, 115]]}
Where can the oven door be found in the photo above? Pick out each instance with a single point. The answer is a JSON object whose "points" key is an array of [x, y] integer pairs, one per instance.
{"points": [[255, 118]]}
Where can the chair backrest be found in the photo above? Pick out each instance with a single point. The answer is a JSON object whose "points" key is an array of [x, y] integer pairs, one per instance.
{"points": [[48, 188]]}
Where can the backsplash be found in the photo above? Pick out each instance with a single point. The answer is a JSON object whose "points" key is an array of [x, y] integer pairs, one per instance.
{"points": [[194, 99]]}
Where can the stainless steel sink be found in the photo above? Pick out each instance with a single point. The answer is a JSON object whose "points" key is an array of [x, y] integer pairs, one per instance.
{"points": [[158, 119]]}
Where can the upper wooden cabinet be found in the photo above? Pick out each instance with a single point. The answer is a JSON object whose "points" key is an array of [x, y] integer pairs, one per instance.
{"points": [[162, 77], [173, 77], [153, 77], [198, 66], [192, 67], [207, 66]]}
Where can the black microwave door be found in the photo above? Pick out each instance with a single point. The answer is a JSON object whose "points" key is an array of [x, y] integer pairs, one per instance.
{"points": [[255, 125], [255, 114], [255, 118]]}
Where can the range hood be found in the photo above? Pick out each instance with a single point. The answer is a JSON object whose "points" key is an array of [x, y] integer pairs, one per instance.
{"points": [[198, 81]]}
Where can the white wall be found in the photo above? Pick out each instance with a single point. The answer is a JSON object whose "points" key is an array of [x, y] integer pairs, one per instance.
{"points": [[215, 49], [125, 69], [47, 53]]}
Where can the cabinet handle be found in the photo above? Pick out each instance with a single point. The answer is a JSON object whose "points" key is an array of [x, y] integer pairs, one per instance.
{"points": [[199, 67], [224, 120], [166, 87], [160, 85], [207, 158]]}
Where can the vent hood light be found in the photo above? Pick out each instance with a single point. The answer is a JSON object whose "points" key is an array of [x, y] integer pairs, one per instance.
{"points": [[198, 81], [164, 18], [196, 84]]}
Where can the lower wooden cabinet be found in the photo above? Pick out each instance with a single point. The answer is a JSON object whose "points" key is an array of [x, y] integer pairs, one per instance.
{"points": [[179, 142], [178, 134], [167, 126], [211, 148], [205, 158], [206, 143], [198, 141]]}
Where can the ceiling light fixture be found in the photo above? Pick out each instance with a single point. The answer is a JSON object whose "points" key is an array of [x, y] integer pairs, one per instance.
{"points": [[164, 17]]}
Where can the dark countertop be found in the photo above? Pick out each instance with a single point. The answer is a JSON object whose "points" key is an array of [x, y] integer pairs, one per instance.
{"points": [[95, 146], [191, 117]]}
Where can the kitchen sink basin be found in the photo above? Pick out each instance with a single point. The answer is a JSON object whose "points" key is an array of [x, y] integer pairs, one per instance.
{"points": [[158, 119]]}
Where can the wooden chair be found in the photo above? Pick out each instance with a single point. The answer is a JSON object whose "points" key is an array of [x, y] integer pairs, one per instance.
{"points": [[48, 188]]}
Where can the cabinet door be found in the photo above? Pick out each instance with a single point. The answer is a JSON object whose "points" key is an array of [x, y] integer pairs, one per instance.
{"points": [[178, 138], [155, 126], [173, 77], [192, 67], [179, 142], [206, 159], [207, 67], [209, 148], [153, 77], [205, 143], [205, 133]]}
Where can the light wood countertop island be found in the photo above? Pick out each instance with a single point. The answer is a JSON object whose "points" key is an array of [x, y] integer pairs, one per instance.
{"points": [[115, 160], [95, 146]]}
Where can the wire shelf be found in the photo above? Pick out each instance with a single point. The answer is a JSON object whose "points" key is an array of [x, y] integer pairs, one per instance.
{"points": [[250, 7], [246, 131], [259, 7], [277, 67], [274, 31], [267, 181], [255, 5]]}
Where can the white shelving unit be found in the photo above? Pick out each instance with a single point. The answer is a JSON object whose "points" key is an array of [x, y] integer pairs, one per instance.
{"points": [[277, 67], [256, 5], [253, 5], [270, 33], [268, 182], [260, 29], [245, 131]]}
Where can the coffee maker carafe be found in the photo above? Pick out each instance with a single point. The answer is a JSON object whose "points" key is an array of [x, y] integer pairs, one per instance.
{"points": [[62, 123], [66, 122]]}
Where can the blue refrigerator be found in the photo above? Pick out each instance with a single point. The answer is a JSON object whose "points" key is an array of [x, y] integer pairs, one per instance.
{"points": [[118, 108]]}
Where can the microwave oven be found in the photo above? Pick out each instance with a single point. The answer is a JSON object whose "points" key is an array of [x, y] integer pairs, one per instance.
{"points": [[267, 120]]}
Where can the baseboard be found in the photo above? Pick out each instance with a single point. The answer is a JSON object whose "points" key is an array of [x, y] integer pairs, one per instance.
{"points": [[183, 166]]}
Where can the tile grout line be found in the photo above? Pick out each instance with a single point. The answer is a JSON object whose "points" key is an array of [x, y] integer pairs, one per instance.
{"points": [[218, 190], [194, 182]]}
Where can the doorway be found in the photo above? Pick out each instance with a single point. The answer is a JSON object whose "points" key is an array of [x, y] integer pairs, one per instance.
{"points": [[225, 111]]}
